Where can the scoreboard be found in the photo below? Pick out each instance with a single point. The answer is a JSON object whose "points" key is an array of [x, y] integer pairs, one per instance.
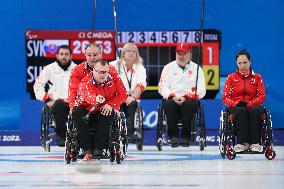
{"points": [[42, 45], [157, 48]]}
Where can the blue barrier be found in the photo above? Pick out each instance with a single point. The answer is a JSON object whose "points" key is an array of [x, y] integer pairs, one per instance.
{"points": [[29, 131]]}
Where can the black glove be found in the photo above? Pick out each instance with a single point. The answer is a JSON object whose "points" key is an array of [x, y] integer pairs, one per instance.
{"points": [[241, 104]]}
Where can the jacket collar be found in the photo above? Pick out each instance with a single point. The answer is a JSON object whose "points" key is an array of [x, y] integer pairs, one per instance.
{"points": [[251, 73], [86, 66], [187, 66], [109, 79]]}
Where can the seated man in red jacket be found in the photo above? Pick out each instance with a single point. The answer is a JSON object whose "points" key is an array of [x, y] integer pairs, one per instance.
{"points": [[93, 53], [98, 83]]}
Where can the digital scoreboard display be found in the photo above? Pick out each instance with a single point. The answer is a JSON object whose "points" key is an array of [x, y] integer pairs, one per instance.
{"points": [[157, 48], [42, 45]]}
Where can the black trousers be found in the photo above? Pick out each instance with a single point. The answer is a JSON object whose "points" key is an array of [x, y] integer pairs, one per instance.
{"points": [[248, 123], [129, 115], [98, 123], [174, 112], [60, 111]]}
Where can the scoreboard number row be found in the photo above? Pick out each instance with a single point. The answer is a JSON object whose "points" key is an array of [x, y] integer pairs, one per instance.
{"points": [[159, 37]]}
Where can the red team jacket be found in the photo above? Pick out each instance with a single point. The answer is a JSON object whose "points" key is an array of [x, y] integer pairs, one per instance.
{"points": [[78, 73], [249, 89], [113, 91]]}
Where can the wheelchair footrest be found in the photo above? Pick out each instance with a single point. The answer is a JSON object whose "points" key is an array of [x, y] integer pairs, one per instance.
{"points": [[81, 156], [249, 152], [180, 144], [101, 157]]}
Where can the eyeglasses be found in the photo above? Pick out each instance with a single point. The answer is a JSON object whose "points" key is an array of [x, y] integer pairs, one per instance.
{"points": [[101, 72]]}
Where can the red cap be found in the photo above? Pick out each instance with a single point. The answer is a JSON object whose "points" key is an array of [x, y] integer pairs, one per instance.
{"points": [[184, 47]]}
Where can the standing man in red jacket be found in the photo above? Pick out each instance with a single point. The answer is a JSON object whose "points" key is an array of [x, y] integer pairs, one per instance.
{"points": [[97, 85], [244, 93]]}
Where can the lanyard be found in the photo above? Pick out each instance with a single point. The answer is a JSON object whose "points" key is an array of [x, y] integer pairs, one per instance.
{"points": [[128, 80]]}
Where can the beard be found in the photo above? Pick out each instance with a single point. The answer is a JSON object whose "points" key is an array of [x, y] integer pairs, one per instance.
{"points": [[64, 65], [63, 61]]}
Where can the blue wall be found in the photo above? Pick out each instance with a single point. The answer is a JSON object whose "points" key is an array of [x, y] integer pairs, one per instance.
{"points": [[255, 25]]}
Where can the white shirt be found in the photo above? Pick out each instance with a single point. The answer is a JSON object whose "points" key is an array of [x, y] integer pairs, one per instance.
{"points": [[181, 82], [138, 77], [58, 85]]}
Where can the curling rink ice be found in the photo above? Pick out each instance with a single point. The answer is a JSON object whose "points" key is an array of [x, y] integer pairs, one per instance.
{"points": [[175, 168]]}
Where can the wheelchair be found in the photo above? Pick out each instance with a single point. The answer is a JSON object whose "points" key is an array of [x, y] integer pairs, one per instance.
{"points": [[228, 137], [117, 144], [47, 128], [138, 132], [197, 125]]}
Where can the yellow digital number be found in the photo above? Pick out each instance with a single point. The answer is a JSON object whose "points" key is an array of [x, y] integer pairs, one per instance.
{"points": [[211, 74]]}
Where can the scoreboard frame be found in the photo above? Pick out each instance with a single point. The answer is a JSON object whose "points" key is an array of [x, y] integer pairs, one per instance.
{"points": [[157, 48], [208, 40]]}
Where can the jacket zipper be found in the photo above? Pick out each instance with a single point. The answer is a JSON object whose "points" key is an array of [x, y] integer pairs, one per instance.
{"points": [[244, 89], [103, 86]]}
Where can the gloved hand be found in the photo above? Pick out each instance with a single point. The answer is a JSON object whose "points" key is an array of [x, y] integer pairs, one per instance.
{"points": [[241, 104]]}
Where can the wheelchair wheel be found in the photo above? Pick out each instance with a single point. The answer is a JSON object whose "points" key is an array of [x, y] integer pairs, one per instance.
{"points": [[230, 153], [118, 157], [222, 146], [123, 136], [200, 124], [118, 140], [222, 138], [226, 136], [269, 153], [222, 151], [67, 156], [47, 147], [267, 136], [44, 130], [160, 144], [115, 154], [138, 128], [71, 143], [161, 128], [139, 145], [49, 134], [112, 154], [71, 152], [201, 144]]}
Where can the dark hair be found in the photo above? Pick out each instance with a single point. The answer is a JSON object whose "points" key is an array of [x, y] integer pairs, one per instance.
{"points": [[243, 52], [94, 45], [103, 62], [64, 47]]}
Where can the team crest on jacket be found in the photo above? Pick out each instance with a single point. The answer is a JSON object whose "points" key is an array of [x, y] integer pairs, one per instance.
{"points": [[252, 81]]}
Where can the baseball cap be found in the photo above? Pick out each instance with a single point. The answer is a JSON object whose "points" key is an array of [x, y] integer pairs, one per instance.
{"points": [[184, 47]]}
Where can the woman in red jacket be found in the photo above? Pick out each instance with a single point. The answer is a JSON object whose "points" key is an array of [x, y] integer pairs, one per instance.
{"points": [[244, 93]]}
